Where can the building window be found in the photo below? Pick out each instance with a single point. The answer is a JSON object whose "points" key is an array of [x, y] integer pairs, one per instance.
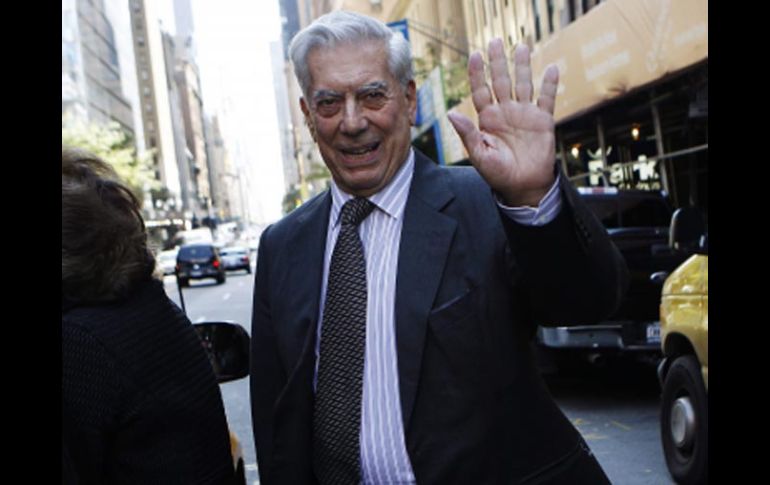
{"points": [[475, 18], [494, 8], [571, 10], [549, 4], [484, 11], [536, 15]]}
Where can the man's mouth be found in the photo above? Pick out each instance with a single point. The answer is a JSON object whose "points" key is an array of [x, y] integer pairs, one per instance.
{"points": [[360, 151]]}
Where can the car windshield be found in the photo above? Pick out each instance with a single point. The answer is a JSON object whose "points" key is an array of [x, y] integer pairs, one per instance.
{"points": [[195, 252], [232, 251]]}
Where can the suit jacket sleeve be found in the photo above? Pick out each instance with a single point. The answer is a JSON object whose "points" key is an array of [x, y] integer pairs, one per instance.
{"points": [[572, 273], [265, 368]]}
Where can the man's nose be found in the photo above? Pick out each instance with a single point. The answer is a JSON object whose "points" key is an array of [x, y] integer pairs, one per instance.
{"points": [[353, 119]]}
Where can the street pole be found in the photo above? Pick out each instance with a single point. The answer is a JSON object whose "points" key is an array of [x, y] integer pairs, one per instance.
{"points": [[602, 148], [664, 164], [181, 297]]}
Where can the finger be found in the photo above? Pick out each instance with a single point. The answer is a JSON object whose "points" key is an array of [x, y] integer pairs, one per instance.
{"points": [[523, 72], [480, 92], [469, 134], [547, 99], [498, 64]]}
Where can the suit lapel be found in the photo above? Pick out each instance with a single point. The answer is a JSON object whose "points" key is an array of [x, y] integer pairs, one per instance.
{"points": [[295, 332], [426, 237], [306, 247]]}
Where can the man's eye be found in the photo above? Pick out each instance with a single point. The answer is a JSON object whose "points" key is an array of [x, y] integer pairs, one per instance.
{"points": [[374, 99], [327, 107]]}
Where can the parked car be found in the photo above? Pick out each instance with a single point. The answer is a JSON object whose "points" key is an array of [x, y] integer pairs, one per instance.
{"points": [[167, 261], [235, 258], [227, 346], [198, 261], [683, 373]]}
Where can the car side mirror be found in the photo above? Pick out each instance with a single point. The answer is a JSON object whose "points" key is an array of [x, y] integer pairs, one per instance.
{"points": [[659, 277], [687, 227], [703, 245], [227, 346]]}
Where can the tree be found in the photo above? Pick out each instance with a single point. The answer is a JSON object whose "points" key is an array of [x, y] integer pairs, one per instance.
{"points": [[456, 83], [113, 145], [291, 200]]}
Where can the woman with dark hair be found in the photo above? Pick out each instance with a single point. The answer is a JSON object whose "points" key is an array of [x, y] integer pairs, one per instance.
{"points": [[140, 402]]}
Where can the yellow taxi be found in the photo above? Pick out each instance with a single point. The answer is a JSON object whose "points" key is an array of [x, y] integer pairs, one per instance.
{"points": [[683, 372]]}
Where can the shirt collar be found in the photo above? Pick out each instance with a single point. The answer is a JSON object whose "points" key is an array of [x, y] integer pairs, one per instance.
{"points": [[391, 199]]}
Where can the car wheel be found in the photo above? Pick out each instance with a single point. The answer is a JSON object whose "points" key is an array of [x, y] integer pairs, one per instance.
{"points": [[184, 282], [684, 422], [220, 279], [248, 269]]}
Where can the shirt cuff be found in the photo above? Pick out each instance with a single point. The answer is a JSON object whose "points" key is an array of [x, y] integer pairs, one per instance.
{"points": [[545, 212]]}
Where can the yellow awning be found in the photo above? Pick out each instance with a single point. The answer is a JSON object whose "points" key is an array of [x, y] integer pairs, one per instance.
{"points": [[620, 45]]}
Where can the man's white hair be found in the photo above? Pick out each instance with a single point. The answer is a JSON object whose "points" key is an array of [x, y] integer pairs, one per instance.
{"points": [[343, 27]]}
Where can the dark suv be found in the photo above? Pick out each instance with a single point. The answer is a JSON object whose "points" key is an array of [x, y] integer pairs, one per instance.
{"points": [[198, 261], [638, 223]]}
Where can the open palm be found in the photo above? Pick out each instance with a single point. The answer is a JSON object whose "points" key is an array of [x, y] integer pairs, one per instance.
{"points": [[513, 148]]}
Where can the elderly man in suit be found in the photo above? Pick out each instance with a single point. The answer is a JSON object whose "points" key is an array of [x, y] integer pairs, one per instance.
{"points": [[393, 314]]}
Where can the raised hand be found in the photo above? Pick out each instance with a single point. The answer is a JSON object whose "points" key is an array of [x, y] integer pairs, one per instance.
{"points": [[514, 146]]}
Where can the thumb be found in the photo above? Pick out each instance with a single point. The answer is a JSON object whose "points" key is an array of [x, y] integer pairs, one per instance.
{"points": [[469, 134]]}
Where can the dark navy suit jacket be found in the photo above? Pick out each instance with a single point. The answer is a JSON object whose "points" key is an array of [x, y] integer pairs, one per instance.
{"points": [[471, 288]]}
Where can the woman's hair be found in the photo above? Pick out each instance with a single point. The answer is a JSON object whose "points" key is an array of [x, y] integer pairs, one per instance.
{"points": [[341, 27], [104, 251]]}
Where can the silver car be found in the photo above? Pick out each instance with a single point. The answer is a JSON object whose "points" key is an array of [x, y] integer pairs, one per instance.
{"points": [[167, 261], [236, 257]]}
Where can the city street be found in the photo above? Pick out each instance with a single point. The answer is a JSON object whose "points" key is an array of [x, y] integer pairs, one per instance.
{"points": [[196, 110], [616, 408], [231, 301]]}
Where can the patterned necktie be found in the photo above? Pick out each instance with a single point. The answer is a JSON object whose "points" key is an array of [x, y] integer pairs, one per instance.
{"points": [[337, 412]]}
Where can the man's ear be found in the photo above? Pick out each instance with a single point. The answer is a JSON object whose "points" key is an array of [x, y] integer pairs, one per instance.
{"points": [[411, 99], [308, 118]]}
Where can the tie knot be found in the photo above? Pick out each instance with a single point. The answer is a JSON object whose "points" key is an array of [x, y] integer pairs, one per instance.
{"points": [[355, 210]]}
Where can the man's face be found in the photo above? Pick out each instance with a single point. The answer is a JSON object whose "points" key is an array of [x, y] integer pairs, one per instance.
{"points": [[359, 115]]}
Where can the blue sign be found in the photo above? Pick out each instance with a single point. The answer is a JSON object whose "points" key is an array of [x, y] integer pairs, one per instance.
{"points": [[400, 26]]}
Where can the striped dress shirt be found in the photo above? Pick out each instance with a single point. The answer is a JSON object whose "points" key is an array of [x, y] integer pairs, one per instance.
{"points": [[384, 458]]}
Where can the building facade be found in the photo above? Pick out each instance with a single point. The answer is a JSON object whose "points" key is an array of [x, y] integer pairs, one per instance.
{"points": [[184, 157], [98, 80], [156, 108], [632, 102], [191, 102]]}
